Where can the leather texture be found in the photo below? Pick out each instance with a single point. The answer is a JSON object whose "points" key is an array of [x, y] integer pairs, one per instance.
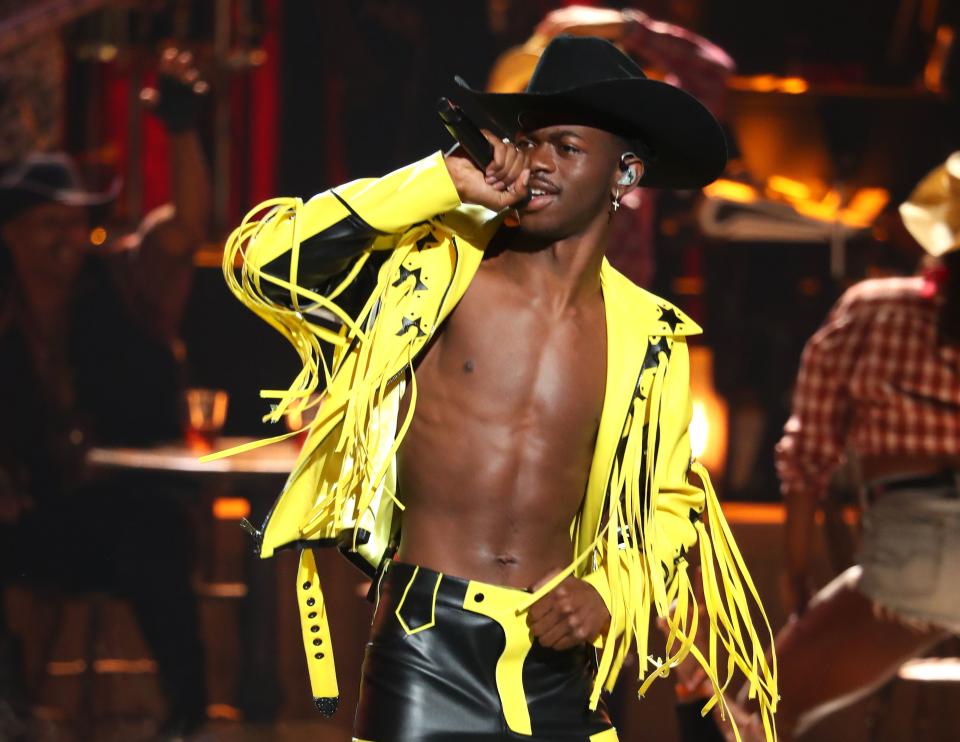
{"points": [[432, 675]]}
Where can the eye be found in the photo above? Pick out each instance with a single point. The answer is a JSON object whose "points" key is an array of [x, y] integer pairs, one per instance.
{"points": [[524, 144], [569, 149]]}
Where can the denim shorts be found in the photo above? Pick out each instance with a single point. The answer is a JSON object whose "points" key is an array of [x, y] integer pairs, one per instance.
{"points": [[910, 554]]}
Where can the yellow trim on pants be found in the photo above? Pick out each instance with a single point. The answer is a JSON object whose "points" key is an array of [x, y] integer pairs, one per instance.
{"points": [[505, 606], [501, 604]]}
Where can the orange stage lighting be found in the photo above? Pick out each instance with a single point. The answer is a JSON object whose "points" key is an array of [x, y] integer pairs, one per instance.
{"points": [[98, 236], [231, 508], [708, 427]]}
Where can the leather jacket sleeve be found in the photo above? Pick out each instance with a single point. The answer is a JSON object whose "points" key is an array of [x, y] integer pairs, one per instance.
{"points": [[310, 244]]}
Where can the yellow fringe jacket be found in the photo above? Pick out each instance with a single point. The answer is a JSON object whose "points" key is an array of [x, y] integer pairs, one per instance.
{"points": [[647, 503]]}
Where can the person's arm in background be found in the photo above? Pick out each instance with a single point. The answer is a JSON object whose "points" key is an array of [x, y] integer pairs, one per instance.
{"points": [[684, 58], [814, 440], [161, 273]]}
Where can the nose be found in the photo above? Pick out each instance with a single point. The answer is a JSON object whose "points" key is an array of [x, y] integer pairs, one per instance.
{"points": [[541, 159]]}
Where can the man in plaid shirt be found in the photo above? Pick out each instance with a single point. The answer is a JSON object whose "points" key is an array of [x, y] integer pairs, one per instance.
{"points": [[881, 378]]}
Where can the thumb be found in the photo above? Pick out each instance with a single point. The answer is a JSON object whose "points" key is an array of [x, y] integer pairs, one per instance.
{"points": [[515, 194]]}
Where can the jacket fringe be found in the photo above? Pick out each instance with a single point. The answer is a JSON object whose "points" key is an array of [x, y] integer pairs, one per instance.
{"points": [[634, 551]]}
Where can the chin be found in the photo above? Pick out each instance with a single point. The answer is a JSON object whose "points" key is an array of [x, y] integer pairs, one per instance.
{"points": [[541, 228]]}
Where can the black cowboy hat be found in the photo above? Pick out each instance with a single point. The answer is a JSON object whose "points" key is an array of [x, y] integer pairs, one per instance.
{"points": [[588, 80], [45, 177]]}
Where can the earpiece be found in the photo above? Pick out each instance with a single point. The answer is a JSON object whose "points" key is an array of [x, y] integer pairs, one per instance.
{"points": [[629, 176]]}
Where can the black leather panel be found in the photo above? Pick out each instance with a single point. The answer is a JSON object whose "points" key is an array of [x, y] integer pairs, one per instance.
{"points": [[439, 684], [324, 257]]}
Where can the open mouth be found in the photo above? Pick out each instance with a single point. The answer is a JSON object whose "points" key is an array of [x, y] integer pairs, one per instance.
{"points": [[541, 196]]}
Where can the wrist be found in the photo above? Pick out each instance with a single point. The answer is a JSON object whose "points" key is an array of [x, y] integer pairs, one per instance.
{"points": [[179, 107]]}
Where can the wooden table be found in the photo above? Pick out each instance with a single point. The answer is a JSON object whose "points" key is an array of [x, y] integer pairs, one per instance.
{"points": [[258, 687], [276, 459]]}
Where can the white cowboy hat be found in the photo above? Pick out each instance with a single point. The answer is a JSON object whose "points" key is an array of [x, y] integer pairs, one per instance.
{"points": [[932, 213]]}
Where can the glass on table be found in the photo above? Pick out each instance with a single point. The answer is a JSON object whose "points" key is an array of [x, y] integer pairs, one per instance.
{"points": [[205, 413]]}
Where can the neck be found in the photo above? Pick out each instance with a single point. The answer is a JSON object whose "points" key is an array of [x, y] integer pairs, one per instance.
{"points": [[566, 269]]}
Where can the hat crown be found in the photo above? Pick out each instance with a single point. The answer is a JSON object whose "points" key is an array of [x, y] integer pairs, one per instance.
{"points": [[587, 81], [574, 61], [932, 212], [43, 171]]}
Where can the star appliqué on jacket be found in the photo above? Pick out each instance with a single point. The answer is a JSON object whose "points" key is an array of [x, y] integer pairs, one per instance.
{"points": [[407, 323], [405, 274], [428, 240], [668, 316]]}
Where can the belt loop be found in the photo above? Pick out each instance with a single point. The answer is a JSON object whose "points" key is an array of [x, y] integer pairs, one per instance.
{"points": [[377, 586]]}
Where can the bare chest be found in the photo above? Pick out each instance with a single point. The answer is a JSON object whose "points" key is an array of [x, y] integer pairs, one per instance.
{"points": [[508, 355]]}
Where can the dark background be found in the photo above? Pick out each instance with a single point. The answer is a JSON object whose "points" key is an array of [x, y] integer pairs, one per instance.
{"points": [[348, 91]]}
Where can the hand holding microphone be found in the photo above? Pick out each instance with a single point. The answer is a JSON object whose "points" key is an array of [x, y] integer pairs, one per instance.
{"points": [[495, 175]]}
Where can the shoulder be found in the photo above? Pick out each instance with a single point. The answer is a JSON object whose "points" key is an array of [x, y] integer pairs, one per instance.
{"points": [[652, 314], [865, 299]]}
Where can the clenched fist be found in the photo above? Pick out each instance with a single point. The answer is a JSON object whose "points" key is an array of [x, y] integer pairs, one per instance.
{"points": [[572, 613], [501, 185]]}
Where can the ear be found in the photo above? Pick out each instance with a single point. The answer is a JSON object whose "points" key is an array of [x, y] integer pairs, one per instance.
{"points": [[628, 175]]}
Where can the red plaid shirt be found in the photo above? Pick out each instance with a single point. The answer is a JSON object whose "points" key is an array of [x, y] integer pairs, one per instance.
{"points": [[872, 380]]}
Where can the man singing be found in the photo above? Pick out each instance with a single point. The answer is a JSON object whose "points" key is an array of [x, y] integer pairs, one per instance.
{"points": [[502, 436]]}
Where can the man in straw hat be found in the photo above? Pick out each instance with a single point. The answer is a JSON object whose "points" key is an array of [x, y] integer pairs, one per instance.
{"points": [[502, 440], [880, 380]]}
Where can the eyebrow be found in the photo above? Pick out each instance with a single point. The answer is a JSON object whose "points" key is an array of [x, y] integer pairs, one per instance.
{"points": [[556, 134]]}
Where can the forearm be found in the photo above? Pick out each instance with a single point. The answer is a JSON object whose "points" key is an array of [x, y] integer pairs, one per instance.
{"points": [[339, 224], [801, 510], [171, 236], [190, 185]]}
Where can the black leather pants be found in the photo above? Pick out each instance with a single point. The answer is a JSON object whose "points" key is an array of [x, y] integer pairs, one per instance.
{"points": [[448, 659]]}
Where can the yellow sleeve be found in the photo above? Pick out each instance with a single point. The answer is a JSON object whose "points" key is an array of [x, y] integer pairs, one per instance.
{"points": [[386, 206], [342, 223]]}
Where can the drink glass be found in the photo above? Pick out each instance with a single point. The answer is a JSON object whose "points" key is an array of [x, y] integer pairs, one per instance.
{"points": [[206, 412]]}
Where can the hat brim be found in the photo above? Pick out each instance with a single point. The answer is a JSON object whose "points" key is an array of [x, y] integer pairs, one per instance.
{"points": [[17, 198], [68, 196], [688, 143]]}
